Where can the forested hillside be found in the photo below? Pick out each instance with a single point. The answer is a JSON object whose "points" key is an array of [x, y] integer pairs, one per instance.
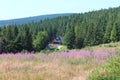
{"points": [[78, 30], [30, 19]]}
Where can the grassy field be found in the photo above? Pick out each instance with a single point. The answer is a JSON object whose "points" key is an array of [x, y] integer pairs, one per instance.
{"points": [[70, 65]]}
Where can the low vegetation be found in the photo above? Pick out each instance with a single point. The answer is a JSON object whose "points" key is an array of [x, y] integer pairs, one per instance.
{"points": [[108, 71], [92, 64]]}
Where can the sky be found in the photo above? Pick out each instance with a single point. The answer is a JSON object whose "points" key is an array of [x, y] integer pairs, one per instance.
{"points": [[11, 9]]}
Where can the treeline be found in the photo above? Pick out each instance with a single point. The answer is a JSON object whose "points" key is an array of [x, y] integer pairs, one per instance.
{"points": [[93, 28], [77, 30], [32, 36]]}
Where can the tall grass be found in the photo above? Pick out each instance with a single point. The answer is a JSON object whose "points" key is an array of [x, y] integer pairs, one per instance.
{"points": [[72, 65], [108, 71]]}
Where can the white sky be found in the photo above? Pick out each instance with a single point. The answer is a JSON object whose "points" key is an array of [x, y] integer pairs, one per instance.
{"points": [[10, 9]]}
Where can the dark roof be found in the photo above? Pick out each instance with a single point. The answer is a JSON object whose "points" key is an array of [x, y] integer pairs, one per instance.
{"points": [[57, 40]]}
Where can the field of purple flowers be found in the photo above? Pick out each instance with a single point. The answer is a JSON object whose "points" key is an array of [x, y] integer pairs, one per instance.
{"points": [[70, 65]]}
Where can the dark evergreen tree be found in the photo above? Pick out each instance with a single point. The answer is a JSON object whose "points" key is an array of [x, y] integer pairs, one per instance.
{"points": [[79, 36], [24, 39], [41, 41], [106, 38], [113, 36], [69, 37]]}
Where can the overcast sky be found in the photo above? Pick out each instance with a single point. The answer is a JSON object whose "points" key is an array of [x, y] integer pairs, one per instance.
{"points": [[10, 9]]}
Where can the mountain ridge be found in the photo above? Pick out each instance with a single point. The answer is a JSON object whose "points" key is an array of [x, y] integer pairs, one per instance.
{"points": [[24, 20]]}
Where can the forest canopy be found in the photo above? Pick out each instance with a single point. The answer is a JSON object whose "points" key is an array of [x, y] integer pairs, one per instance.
{"points": [[78, 30]]}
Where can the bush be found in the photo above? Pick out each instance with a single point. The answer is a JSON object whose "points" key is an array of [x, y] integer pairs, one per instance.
{"points": [[110, 45], [108, 71], [24, 51]]}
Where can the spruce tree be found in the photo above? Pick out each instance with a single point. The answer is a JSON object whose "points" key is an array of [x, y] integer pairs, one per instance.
{"points": [[113, 36], [41, 41], [69, 37]]}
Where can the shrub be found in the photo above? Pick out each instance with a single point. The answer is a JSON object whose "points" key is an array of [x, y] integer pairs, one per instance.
{"points": [[108, 71]]}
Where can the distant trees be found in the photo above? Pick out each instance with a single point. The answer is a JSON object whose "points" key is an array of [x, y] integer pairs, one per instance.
{"points": [[78, 30]]}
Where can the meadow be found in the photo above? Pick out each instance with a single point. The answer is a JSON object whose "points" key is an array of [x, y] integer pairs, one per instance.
{"points": [[84, 64]]}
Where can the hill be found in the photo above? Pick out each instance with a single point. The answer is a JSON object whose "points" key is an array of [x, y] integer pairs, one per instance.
{"points": [[77, 31], [30, 19]]}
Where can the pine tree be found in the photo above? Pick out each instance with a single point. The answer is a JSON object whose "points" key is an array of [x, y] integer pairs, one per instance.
{"points": [[41, 41], [79, 36], [69, 38], [106, 38], [113, 36], [24, 39], [14, 32]]}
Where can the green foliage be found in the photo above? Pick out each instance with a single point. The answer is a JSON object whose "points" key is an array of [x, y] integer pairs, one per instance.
{"points": [[113, 36], [109, 71], [110, 45], [69, 38], [106, 38], [24, 38], [40, 41], [79, 37], [77, 30]]}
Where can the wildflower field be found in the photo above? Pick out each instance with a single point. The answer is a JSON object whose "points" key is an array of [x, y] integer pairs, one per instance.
{"points": [[70, 65]]}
